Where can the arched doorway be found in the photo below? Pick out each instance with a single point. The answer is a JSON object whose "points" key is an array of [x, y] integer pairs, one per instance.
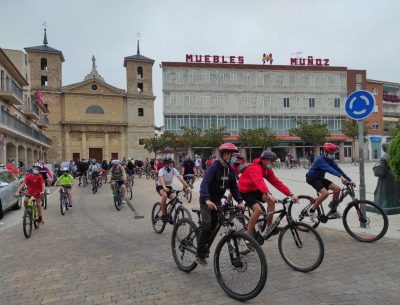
{"points": [[22, 154], [11, 151], [30, 156]]}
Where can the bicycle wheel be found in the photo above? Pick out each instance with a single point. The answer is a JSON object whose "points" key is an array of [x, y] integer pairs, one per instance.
{"points": [[184, 244], [44, 201], [27, 223], [301, 247], [299, 211], [94, 189], [241, 276], [369, 228], [181, 213], [117, 201], [147, 175], [156, 220], [239, 224], [129, 192], [63, 205]]}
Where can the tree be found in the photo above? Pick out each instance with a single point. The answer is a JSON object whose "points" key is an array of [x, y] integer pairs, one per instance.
{"points": [[395, 130], [314, 133], [350, 129], [190, 137], [257, 137], [214, 136], [153, 144], [394, 156], [160, 141]]}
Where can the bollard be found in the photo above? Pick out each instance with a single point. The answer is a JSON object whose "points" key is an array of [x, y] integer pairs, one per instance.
{"points": [[387, 190]]}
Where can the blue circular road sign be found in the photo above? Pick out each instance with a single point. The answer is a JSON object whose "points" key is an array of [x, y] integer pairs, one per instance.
{"points": [[359, 105]]}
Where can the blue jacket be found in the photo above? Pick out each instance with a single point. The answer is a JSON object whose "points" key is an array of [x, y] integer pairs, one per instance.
{"points": [[216, 181], [324, 165]]}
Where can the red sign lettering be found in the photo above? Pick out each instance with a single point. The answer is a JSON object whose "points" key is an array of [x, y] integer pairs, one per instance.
{"points": [[216, 59], [310, 61]]}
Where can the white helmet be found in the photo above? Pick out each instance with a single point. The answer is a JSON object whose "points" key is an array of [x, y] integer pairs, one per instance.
{"points": [[38, 164]]}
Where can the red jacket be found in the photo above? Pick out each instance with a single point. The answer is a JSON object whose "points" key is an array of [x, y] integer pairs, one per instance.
{"points": [[252, 179]]}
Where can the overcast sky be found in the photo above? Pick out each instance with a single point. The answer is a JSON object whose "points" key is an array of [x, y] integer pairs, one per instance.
{"points": [[357, 34]]}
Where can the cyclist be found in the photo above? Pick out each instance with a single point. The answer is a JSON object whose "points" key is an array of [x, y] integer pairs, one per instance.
{"points": [[188, 167], [237, 161], [253, 188], [130, 168], [316, 178], [66, 180], [94, 170], [118, 177], [164, 184], [35, 184], [47, 175], [218, 178], [82, 168]]}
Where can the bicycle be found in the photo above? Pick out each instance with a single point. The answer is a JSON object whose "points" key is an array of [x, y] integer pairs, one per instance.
{"points": [[31, 216], [64, 199], [95, 184], [189, 180], [362, 219], [129, 191], [44, 200], [306, 163], [104, 176], [304, 252], [147, 172], [130, 178], [230, 261], [117, 196], [175, 206], [140, 171]]}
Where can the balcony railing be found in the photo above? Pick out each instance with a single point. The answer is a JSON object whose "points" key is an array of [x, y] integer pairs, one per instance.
{"points": [[10, 91], [43, 121], [31, 109], [13, 123], [391, 98]]}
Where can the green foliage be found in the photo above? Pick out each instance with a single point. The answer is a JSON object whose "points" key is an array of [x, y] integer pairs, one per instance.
{"points": [[394, 156], [214, 136], [258, 137], [350, 129], [190, 137], [395, 130], [160, 142], [314, 133]]}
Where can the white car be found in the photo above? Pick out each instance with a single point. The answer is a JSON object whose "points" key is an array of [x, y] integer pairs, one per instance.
{"points": [[9, 184]]}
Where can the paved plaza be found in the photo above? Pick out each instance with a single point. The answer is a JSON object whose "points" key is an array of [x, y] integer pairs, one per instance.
{"points": [[97, 255]]}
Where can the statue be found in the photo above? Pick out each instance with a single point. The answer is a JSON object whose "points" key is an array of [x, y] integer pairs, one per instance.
{"points": [[387, 190]]}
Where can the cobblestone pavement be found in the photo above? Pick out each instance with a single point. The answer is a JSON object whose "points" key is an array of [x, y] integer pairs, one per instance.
{"points": [[96, 255]]}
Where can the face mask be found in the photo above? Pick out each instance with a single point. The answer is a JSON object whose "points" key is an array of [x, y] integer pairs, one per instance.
{"points": [[35, 172], [331, 156], [233, 160], [269, 166]]}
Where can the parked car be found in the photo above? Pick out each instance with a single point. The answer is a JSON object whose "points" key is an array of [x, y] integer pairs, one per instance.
{"points": [[9, 184], [52, 169]]}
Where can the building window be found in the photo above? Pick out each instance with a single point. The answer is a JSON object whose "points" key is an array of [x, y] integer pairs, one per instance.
{"points": [[311, 102], [375, 126], [139, 72], [94, 87], [140, 87], [347, 151], [141, 141], [358, 87], [26, 59], [337, 102], [286, 102], [140, 112], [44, 81], [94, 109], [43, 64]]}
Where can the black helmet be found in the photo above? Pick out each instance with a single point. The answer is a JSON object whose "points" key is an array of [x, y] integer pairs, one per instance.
{"points": [[267, 154], [168, 160]]}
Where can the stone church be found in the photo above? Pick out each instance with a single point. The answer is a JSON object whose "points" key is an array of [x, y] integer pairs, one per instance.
{"points": [[91, 118]]}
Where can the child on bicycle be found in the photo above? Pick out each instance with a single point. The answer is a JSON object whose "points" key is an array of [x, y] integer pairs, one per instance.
{"points": [[118, 178], [66, 180], [36, 188], [164, 185], [218, 178], [316, 178], [253, 188]]}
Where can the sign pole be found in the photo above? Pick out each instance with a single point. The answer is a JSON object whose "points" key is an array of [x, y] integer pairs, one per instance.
{"points": [[361, 165]]}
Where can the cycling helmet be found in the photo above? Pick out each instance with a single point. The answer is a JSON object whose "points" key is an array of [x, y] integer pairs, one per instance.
{"points": [[38, 164], [115, 162], [168, 160], [227, 147], [330, 147], [65, 170], [267, 154]]}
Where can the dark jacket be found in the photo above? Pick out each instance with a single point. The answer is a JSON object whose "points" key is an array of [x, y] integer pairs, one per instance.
{"points": [[324, 165], [216, 181]]}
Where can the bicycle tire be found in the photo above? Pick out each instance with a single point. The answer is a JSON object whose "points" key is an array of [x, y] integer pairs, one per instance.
{"points": [[301, 232], [185, 242], [117, 201], [155, 219], [231, 241], [295, 209], [62, 205], [129, 192], [27, 223], [190, 197], [44, 201], [181, 213], [147, 175], [374, 213]]}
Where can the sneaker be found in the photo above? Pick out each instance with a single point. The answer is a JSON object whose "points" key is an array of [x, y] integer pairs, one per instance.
{"points": [[313, 216], [70, 204], [201, 261]]}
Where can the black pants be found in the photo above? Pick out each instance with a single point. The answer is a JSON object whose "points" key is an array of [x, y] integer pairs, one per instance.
{"points": [[209, 221]]}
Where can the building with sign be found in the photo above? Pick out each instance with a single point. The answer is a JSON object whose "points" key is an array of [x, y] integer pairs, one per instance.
{"points": [[22, 121], [91, 118], [236, 96]]}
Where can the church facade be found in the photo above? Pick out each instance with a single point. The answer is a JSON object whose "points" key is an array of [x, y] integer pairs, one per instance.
{"points": [[91, 118]]}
